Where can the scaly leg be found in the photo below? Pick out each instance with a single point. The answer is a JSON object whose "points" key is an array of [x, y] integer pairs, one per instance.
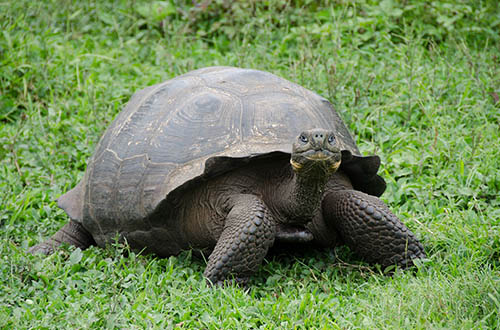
{"points": [[71, 233], [370, 229], [248, 233]]}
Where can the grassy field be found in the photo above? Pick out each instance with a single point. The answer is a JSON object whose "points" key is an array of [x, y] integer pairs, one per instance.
{"points": [[417, 83]]}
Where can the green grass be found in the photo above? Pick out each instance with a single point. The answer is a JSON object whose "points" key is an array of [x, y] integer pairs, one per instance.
{"points": [[418, 83]]}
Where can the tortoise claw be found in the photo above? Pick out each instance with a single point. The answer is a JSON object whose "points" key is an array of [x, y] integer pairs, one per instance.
{"points": [[44, 248]]}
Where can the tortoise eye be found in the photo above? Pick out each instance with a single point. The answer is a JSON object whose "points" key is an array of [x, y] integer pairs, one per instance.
{"points": [[303, 138], [331, 139]]}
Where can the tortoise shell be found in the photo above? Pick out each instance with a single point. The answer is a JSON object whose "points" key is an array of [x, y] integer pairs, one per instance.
{"points": [[195, 126]]}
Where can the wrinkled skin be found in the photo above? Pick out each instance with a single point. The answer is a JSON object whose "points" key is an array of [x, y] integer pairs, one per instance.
{"points": [[238, 216]]}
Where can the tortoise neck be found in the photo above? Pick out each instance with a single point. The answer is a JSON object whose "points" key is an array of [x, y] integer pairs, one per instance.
{"points": [[302, 195]]}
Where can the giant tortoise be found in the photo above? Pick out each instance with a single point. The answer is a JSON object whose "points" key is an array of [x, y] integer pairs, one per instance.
{"points": [[230, 162]]}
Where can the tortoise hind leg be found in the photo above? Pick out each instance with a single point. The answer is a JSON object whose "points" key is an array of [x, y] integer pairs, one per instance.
{"points": [[71, 233], [370, 229]]}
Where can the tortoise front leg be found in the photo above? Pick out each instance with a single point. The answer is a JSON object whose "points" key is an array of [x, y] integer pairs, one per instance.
{"points": [[248, 233], [370, 229], [71, 233]]}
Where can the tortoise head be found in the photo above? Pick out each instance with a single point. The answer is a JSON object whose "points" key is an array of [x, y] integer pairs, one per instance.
{"points": [[316, 151]]}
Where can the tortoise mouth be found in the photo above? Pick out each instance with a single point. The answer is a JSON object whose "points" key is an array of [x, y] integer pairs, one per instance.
{"points": [[325, 159], [318, 154]]}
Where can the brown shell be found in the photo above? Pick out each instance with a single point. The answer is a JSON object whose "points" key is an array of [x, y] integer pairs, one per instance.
{"points": [[201, 124]]}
